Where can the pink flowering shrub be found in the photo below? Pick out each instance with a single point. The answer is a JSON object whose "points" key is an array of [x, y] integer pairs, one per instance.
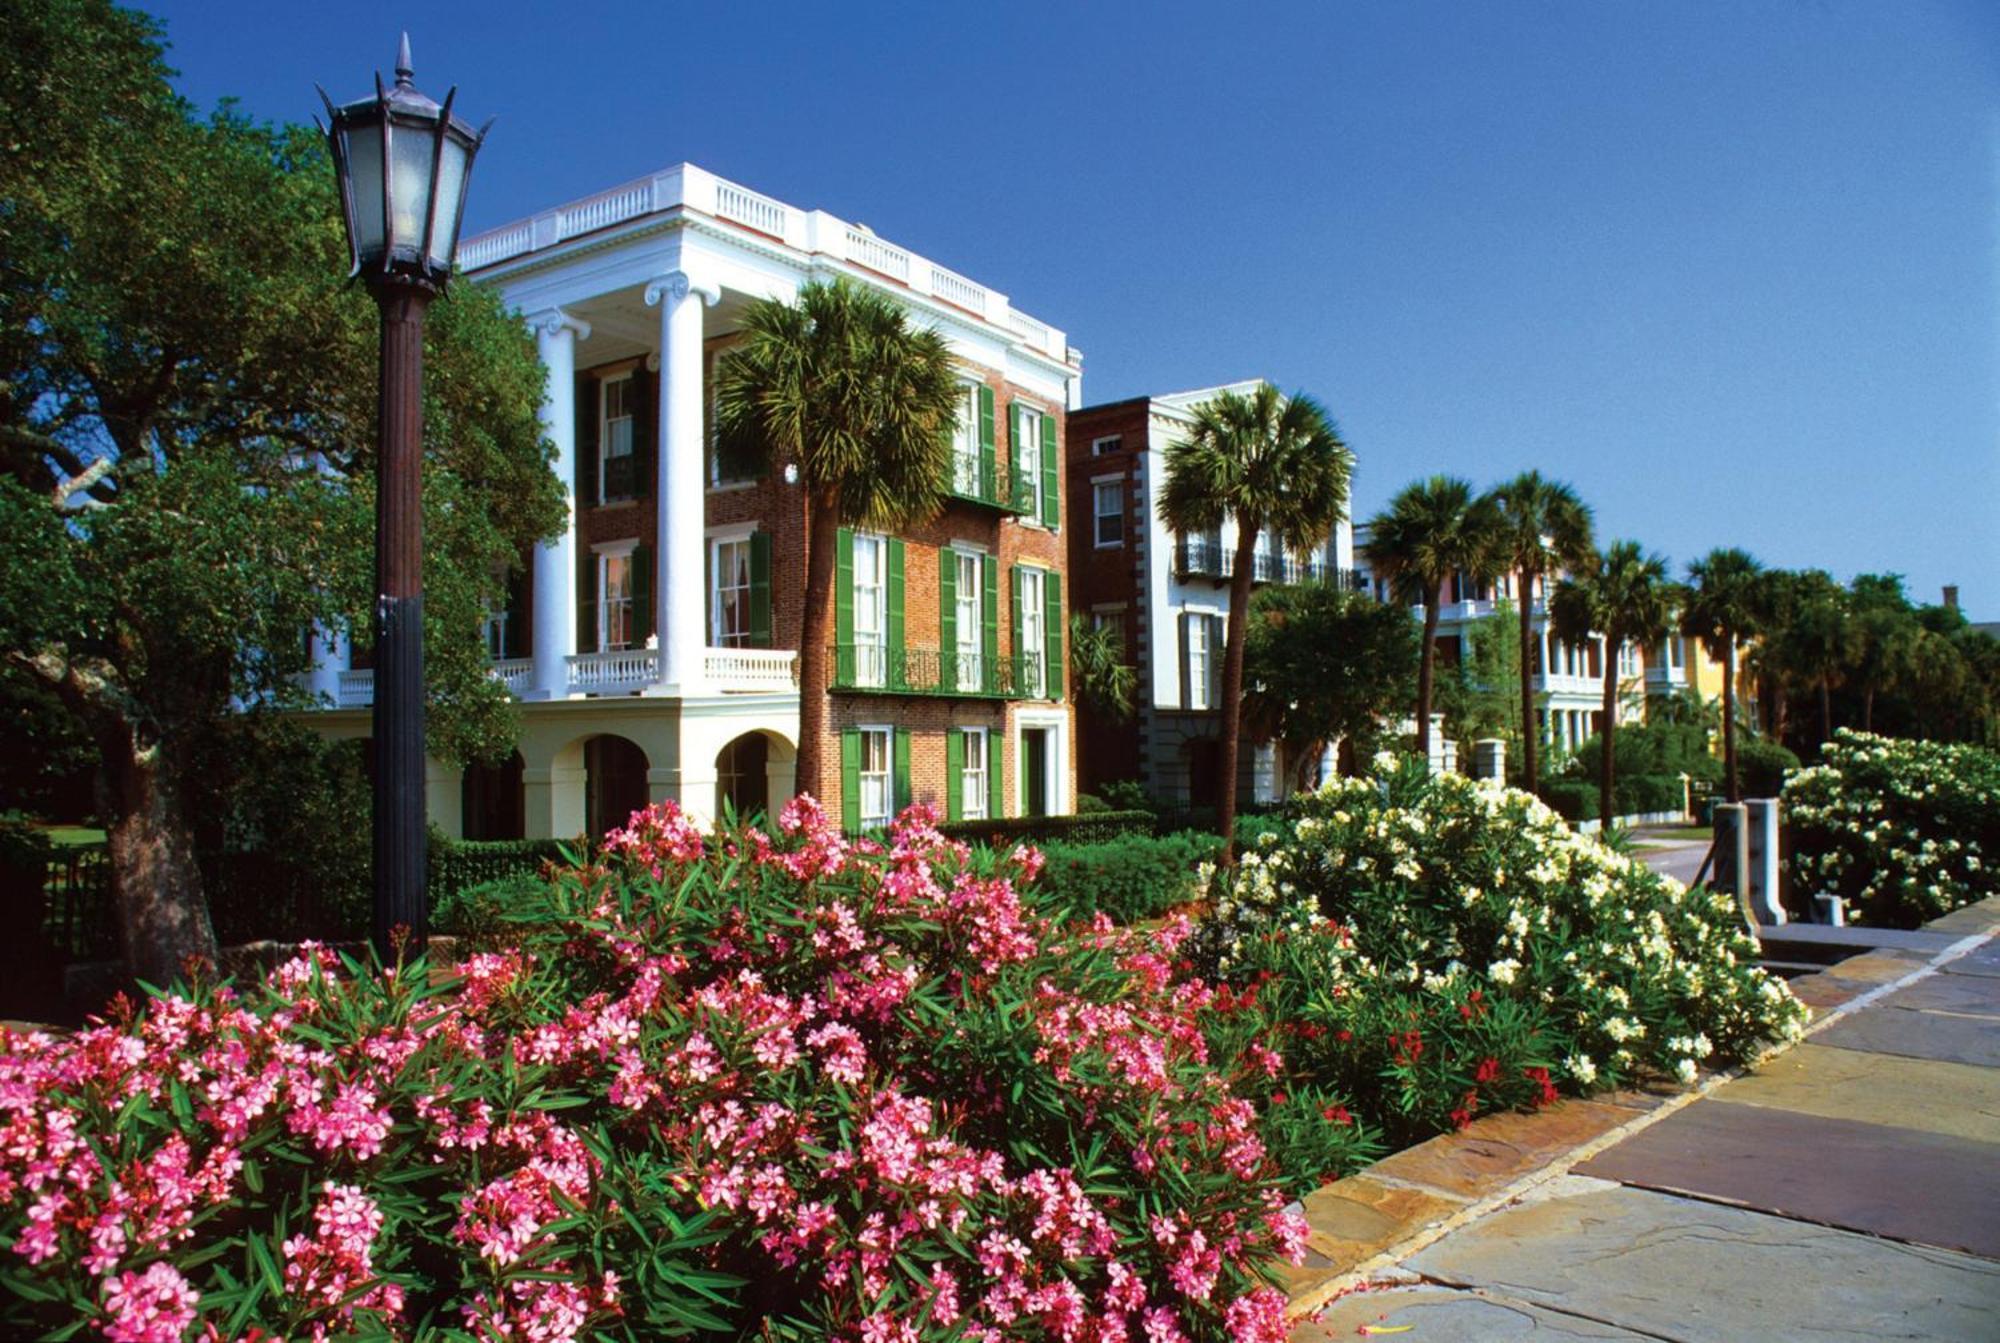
{"points": [[770, 1084]]}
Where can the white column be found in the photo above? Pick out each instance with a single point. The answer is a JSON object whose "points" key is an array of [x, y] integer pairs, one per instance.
{"points": [[556, 335], [677, 589]]}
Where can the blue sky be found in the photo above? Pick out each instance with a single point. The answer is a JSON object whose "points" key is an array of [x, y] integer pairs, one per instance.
{"points": [[1728, 268]]}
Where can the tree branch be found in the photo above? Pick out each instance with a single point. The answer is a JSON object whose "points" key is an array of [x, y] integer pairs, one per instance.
{"points": [[64, 495]]}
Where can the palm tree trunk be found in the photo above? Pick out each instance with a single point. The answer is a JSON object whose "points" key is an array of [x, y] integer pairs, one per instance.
{"points": [[1530, 730], [1607, 731], [1734, 791], [1868, 709], [1426, 668], [815, 636], [1232, 683]]}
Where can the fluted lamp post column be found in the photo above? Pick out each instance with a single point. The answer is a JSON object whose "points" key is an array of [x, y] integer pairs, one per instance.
{"points": [[403, 163]]}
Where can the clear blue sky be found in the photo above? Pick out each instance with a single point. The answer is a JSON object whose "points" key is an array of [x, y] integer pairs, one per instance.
{"points": [[1728, 268]]}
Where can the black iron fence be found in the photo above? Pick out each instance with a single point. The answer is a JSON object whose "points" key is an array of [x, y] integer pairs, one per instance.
{"points": [[932, 671]]}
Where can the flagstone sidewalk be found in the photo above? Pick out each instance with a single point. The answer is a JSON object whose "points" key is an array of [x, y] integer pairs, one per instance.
{"points": [[1846, 1188]]}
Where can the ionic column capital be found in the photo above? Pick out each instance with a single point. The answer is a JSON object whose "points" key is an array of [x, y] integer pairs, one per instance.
{"points": [[677, 285], [552, 322]]}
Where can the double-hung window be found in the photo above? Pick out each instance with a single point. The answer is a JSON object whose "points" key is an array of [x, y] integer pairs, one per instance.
{"points": [[871, 610], [1104, 447], [729, 613], [1107, 507], [618, 479], [1028, 456], [1034, 631], [972, 779], [614, 601], [965, 441], [1200, 661], [969, 619], [877, 777]]}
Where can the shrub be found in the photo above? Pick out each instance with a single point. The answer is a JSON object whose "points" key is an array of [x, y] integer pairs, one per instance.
{"points": [[1904, 830], [1083, 828], [761, 1085], [1665, 750], [1762, 767], [454, 865], [1461, 941], [1639, 794], [1126, 795], [1126, 879], [488, 914]]}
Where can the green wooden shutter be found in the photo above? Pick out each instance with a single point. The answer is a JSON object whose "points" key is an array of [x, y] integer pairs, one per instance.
{"points": [[954, 774], [585, 463], [948, 618], [644, 404], [1019, 657], [899, 783], [1014, 482], [1216, 629], [898, 672], [1051, 473], [987, 485], [843, 608], [1052, 618], [850, 780], [760, 589], [996, 795], [586, 601], [642, 593], [1187, 661], [989, 615]]}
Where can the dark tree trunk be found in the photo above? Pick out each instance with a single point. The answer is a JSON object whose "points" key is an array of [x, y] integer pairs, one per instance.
{"points": [[1868, 709], [1607, 731], [1825, 709], [1733, 790], [1232, 684], [1426, 669], [156, 886], [1530, 730], [815, 639]]}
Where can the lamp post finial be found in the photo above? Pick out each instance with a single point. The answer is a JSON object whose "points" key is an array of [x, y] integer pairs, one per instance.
{"points": [[405, 73]]}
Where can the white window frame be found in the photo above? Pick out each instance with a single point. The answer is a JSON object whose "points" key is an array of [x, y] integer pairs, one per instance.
{"points": [[883, 779], [973, 782], [1029, 420], [606, 603], [1109, 443], [969, 615], [721, 637], [1057, 801], [1200, 665], [965, 440], [871, 645], [605, 421], [1098, 517], [1034, 649]]}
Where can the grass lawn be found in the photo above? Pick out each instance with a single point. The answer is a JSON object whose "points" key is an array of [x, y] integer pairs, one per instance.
{"points": [[1673, 832], [71, 835]]}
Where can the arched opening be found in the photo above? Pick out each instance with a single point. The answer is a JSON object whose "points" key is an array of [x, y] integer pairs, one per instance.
{"points": [[490, 800], [614, 783], [742, 780]]}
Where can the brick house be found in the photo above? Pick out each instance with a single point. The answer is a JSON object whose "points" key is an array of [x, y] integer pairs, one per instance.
{"points": [[1168, 598], [652, 644]]}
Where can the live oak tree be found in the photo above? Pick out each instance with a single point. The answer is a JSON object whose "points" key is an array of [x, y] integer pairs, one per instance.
{"points": [[187, 408], [1322, 665]]}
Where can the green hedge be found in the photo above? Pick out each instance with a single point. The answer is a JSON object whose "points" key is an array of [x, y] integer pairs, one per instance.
{"points": [[1576, 799], [1086, 828], [1762, 767], [1131, 877], [455, 865]]}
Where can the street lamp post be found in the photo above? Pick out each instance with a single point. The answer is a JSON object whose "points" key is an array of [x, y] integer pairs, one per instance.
{"points": [[403, 163]]}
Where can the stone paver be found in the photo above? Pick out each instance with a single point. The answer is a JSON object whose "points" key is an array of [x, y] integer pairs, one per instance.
{"points": [[1983, 917], [1907, 1184], [1879, 967], [1681, 1269], [1501, 1148], [1966, 995], [1921, 1035], [1357, 1218], [1985, 963], [1957, 1099], [1824, 992], [1437, 1315]]}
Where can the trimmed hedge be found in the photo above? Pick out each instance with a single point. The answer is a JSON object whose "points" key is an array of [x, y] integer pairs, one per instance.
{"points": [[1087, 828], [1762, 767], [1129, 878], [455, 865], [1576, 799]]}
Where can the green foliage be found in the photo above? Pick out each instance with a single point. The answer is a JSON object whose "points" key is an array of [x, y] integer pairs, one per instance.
{"points": [[1542, 528], [1764, 766], [1666, 749], [486, 916], [1904, 830], [1323, 663], [458, 865], [1125, 795], [1103, 679], [1079, 828], [1129, 878]]}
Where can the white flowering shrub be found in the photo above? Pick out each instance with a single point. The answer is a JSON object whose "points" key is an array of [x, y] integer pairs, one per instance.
{"points": [[1905, 830], [1459, 940]]}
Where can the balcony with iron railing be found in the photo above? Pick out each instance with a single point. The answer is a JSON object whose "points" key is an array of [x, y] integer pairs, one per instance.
{"points": [[1209, 559], [875, 668], [996, 488]]}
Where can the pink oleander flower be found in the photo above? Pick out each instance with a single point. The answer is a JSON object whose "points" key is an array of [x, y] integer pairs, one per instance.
{"points": [[156, 1306]]}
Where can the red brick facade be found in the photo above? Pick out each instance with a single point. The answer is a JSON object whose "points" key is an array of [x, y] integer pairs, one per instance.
{"points": [[1108, 580]]}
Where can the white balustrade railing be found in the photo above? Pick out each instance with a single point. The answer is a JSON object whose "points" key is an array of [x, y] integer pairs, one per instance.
{"points": [[1027, 328], [955, 288], [865, 249], [357, 689], [747, 207], [605, 208], [750, 668], [609, 673], [488, 248], [517, 674]]}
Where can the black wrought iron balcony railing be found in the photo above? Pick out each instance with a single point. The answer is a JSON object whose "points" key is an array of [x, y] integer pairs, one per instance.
{"points": [[1208, 559], [929, 671], [995, 488]]}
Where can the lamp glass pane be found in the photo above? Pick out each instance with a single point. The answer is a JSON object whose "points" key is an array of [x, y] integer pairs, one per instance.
{"points": [[364, 179], [450, 198], [411, 148]]}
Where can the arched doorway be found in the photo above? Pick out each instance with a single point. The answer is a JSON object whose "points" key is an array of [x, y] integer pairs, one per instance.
{"points": [[741, 777], [614, 783], [490, 800]]}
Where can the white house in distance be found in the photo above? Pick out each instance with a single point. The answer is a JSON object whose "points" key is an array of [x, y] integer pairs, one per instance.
{"points": [[651, 648]]}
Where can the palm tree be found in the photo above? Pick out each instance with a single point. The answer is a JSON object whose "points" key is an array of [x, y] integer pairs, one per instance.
{"points": [[1432, 530], [841, 386], [1626, 597], [1543, 528], [1278, 466], [1721, 608]]}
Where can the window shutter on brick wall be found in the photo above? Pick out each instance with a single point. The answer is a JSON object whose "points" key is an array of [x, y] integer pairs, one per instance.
{"points": [[642, 594], [987, 484], [1051, 475], [760, 589], [897, 672], [586, 601], [996, 796], [1052, 618], [989, 614], [843, 607], [1019, 657], [948, 616], [954, 774], [850, 780], [1187, 662], [1014, 452], [586, 440], [900, 784], [645, 431]]}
